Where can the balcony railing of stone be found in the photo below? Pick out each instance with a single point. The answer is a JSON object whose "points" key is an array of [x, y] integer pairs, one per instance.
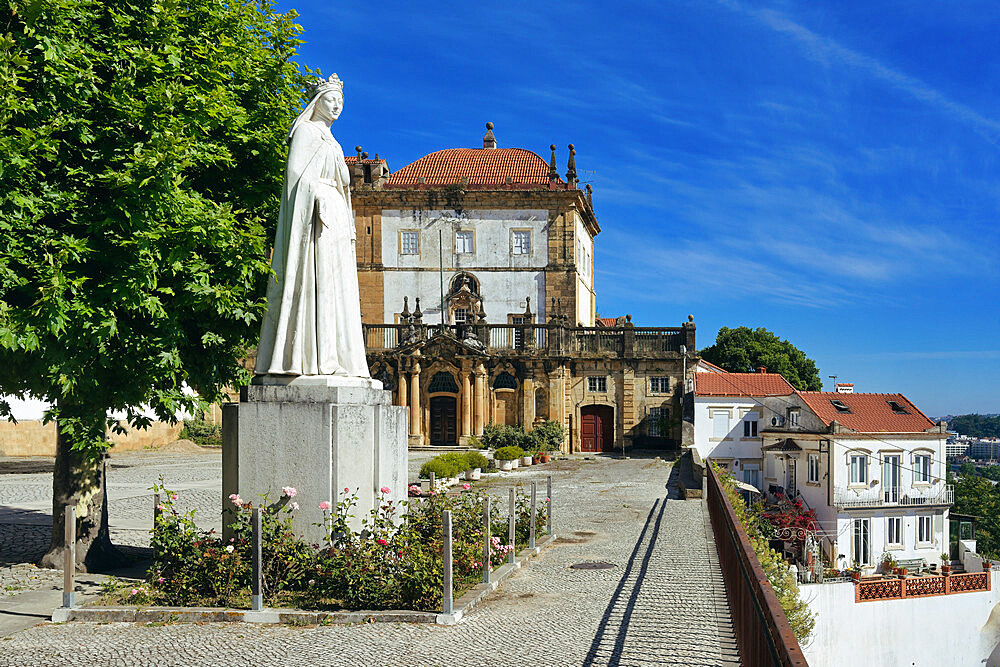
{"points": [[920, 586], [879, 497], [763, 633], [554, 339]]}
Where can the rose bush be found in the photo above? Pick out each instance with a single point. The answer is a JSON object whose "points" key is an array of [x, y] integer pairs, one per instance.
{"points": [[393, 562]]}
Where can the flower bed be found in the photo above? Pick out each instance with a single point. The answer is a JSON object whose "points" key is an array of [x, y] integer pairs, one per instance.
{"points": [[394, 563]]}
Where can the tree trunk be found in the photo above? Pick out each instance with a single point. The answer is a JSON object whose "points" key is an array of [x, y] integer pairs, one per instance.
{"points": [[80, 480]]}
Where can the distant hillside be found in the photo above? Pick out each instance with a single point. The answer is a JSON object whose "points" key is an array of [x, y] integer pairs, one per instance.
{"points": [[976, 426]]}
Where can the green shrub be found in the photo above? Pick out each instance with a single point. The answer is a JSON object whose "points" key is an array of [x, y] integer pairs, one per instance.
{"points": [[476, 460], [508, 453], [496, 436], [548, 436], [202, 433], [457, 459], [441, 467]]}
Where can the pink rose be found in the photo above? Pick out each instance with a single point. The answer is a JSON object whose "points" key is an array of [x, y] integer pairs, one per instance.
{"points": [[346, 490], [466, 487], [382, 542], [160, 580], [160, 507], [134, 591], [325, 505], [173, 496], [289, 491], [384, 489], [295, 506]]}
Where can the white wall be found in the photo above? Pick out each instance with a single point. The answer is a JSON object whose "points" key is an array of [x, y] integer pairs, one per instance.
{"points": [[585, 296], [503, 291], [733, 445], [958, 629]]}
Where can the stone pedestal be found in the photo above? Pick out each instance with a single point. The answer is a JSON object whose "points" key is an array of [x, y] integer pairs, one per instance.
{"points": [[319, 434]]}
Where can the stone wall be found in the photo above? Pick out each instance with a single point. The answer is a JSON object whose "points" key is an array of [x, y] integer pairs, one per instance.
{"points": [[33, 438]]}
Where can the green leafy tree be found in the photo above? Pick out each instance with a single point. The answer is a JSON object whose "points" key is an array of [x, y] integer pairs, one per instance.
{"points": [[744, 350], [976, 426], [141, 163], [979, 497]]}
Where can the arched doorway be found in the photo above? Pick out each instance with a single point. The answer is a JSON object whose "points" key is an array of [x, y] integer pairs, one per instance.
{"points": [[444, 420], [597, 428]]}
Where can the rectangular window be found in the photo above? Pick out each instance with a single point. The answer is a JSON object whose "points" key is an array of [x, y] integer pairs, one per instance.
{"points": [[861, 552], [463, 242], [814, 468], [720, 425], [520, 242], [659, 385], [793, 417], [750, 426], [657, 422], [921, 468], [461, 315], [409, 243], [519, 332], [894, 531], [751, 474], [597, 384], [859, 469], [924, 535]]}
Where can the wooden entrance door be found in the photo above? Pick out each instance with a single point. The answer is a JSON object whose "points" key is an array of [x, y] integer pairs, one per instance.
{"points": [[444, 420], [597, 432]]}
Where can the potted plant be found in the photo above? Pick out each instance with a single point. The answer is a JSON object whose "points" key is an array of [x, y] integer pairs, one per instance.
{"points": [[507, 457], [855, 572], [945, 564], [888, 563], [526, 459], [986, 565], [902, 572], [475, 463]]}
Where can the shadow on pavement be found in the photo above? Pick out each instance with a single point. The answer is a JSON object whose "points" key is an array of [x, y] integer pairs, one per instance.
{"points": [[618, 607]]}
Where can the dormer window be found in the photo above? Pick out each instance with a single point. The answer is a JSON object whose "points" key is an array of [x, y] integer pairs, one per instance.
{"points": [[840, 406], [897, 408]]}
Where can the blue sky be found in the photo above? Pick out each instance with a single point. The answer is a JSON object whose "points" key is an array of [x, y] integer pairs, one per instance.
{"points": [[827, 170]]}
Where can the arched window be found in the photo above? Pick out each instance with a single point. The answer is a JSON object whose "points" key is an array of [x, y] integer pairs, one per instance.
{"points": [[443, 381], [505, 381]]}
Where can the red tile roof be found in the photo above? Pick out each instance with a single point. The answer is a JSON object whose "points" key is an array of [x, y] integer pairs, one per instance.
{"points": [[607, 321], [482, 166], [741, 384], [869, 413]]}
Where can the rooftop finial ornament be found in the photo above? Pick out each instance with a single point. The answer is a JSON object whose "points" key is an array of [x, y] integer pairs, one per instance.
{"points": [[489, 141], [571, 167], [553, 169]]}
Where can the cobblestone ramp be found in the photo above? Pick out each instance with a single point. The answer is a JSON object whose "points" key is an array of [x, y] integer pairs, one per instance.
{"points": [[670, 606]]}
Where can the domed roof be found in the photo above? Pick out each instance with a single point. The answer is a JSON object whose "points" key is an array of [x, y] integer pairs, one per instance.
{"points": [[482, 166]]}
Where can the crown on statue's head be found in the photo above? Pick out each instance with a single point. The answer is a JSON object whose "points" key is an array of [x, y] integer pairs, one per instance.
{"points": [[319, 86]]}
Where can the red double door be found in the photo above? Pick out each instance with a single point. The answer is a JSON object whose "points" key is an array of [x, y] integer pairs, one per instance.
{"points": [[597, 428]]}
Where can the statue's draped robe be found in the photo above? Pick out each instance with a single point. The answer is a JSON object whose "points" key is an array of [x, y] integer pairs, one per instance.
{"points": [[313, 322]]}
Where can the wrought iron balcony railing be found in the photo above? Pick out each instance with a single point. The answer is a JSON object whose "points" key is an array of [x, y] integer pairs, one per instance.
{"points": [[878, 497]]}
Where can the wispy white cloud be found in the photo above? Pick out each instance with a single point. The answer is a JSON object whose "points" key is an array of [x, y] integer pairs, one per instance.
{"points": [[825, 50]]}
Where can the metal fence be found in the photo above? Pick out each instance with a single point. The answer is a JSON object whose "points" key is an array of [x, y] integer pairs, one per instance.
{"points": [[763, 633]]}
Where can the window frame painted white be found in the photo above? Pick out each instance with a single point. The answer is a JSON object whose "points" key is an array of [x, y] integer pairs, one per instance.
{"points": [[520, 241], [921, 519], [465, 242], [404, 234], [862, 478], [862, 544], [812, 463], [752, 468], [889, 543], [598, 380], [921, 471]]}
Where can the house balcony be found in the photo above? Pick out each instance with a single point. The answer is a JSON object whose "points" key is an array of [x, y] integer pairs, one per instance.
{"points": [[879, 497]]}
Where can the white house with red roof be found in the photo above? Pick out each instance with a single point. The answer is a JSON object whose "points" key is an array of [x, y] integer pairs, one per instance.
{"points": [[872, 466], [728, 419]]}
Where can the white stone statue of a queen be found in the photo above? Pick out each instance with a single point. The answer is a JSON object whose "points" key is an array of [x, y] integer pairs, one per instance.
{"points": [[313, 322]]}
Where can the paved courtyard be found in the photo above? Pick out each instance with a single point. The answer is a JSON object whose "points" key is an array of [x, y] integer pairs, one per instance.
{"points": [[662, 603]]}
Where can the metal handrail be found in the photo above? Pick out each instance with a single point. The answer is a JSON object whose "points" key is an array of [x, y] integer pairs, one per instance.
{"points": [[763, 633], [842, 498]]}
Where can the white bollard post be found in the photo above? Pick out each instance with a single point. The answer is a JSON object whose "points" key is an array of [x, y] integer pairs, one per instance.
{"points": [[447, 603], [256, 592], [69, 558]]}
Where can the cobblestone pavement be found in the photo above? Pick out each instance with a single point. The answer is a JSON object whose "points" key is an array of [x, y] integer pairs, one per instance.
{"points": [[662, 603]]}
